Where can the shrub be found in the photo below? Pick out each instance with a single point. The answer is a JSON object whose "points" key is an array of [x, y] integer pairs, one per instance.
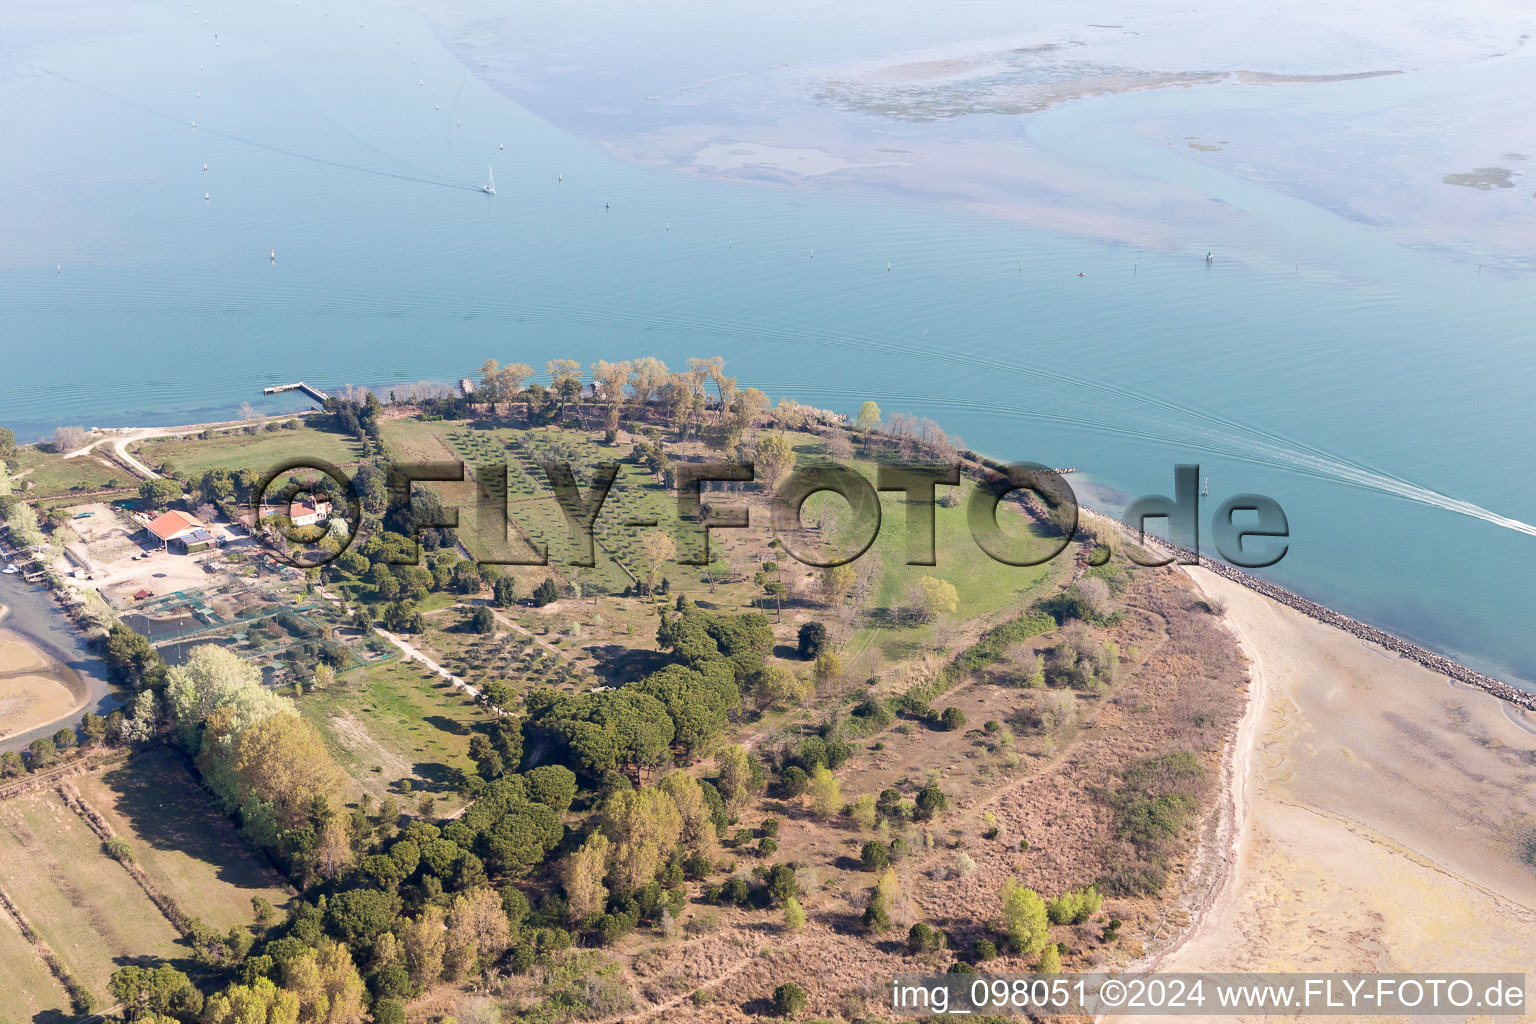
{"points": [[793, 781], [788, 999], [875, 856], [545, 593], [953, 719], [931, 803], [986, 950], [118, 849], [924, 939], [1050, 960], [1074, 906], [389, 1011]]}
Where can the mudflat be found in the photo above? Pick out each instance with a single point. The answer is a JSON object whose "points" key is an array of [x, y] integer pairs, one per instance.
{"points": [[35, 689]]}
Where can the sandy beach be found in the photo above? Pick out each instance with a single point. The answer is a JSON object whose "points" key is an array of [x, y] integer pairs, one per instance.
{"points": [[1384, 813]]}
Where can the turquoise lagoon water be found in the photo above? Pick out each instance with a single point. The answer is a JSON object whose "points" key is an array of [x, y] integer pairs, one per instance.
{"points": [[1380, 394]]}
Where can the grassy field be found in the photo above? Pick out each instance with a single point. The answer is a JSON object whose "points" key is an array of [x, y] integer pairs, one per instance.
{"points": [[49, 475], [79, 900], [392, 722], [189, 850], [192, 456], [28, 988]]}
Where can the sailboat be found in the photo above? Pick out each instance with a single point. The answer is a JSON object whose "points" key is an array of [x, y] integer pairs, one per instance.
{"points": [[489, 188]]}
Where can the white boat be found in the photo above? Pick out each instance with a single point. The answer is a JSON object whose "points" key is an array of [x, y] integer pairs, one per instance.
{"points": [[10, 570], [489, 188]]}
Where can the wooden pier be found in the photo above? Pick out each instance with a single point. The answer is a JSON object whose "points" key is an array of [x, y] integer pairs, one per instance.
{"points": [[315, 393]]}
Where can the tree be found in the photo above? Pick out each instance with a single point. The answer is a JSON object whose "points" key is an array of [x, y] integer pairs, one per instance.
{"points": [[504, 592], [1093, 596], [552, 785], [658, 548], [585, 893], [281, 761], [699, 702], [838, 582], [509, 380], [794, 915], [610, 379], [931, 596], [7, 442], [478, 934], [150, 991], [324, 677], [698, 837], [1024, 917], [545, 593], [215, 678], [482, 620], [23, 523], [813, 639], [829, 669], [777, 686], [145, 720], [490, 390], [788, 999], [737, 781], [874, 856], [869, 418], [774, 457], [41, 753], [67, 439], [864, 811], [646, 376], [260, 1002], [826, 792], [644, 827], [159, 491], [423, 940], [882, 902], [327, 985]]}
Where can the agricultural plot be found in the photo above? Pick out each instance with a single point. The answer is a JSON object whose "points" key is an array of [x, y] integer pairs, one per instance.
{"points": [[390, 723], [29, 988], [190, 851], [636, 496], [80, 901], [510, 657]]}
